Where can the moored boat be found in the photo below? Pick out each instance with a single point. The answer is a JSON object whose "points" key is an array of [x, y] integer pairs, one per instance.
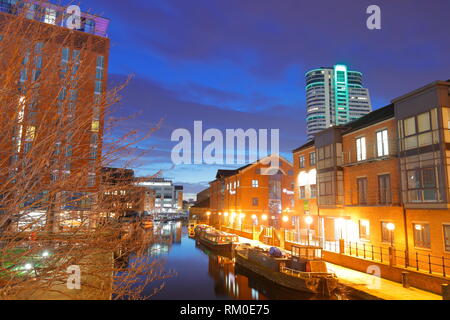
{"points": [[215, 239], [303, 270]]}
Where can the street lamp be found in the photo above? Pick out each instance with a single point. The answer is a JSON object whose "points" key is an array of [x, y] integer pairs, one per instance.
{"points": [[309, 221], [391, 227], [208, 214]]}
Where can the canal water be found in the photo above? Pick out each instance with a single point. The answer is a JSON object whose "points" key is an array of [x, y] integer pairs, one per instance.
{"points": [[204, 275]]}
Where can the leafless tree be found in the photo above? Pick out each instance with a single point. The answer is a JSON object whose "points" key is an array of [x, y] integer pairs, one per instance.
{"points": [[52, 213]]}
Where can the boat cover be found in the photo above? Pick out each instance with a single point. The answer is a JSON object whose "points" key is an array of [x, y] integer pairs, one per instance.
{"points": [[275, 252]]}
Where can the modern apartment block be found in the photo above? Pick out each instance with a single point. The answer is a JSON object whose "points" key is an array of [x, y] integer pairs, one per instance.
{"points": [[168, 196], [247, 196], [334, 96], [383, 180], [61, 74]]}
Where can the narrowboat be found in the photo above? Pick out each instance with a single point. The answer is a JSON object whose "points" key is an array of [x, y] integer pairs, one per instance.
{"points": [[215, 239], [303, 270]]}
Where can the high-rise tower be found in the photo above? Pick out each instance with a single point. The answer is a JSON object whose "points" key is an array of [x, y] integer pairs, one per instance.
{"points": [[334, 96]]}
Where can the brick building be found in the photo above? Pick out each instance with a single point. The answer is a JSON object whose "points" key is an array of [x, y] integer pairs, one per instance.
{"points": [[382, 180], [58, 94], [120, 196], [247, 196]]}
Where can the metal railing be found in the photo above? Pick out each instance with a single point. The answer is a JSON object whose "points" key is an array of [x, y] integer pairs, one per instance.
{"points": [[300, 274], [419, 261]]}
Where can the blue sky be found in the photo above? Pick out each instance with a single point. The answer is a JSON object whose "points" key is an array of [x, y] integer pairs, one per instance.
{"points": [[241, 64]]}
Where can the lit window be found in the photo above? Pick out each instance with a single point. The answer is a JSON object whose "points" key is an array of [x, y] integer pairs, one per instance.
{"points": [[361, 149], [364, 230], [255, 183], [50, 16], [382, 143], [422, 235], [386, 234], [95, 126]]}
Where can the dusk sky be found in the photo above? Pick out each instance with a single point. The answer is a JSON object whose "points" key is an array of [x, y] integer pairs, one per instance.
{"points": [[241, 63]]}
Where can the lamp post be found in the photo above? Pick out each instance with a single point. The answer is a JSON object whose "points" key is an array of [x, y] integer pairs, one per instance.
{"points": [[208, 214], [391, 227], [309, 221]]}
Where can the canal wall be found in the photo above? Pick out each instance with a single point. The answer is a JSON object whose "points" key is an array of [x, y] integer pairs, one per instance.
{"points": [[417, 279], [420, 280]]}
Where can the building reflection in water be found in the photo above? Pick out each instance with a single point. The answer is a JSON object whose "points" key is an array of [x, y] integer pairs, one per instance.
{"points": [[238, 283], [206, 274]]}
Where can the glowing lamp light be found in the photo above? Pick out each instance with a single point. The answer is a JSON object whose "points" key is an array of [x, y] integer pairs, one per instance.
{"points": [[242, 215], [285, 219], [226, 214], [28, 266], [45, 254], [254, 217], [208, 213], [220, 213], [233, 214], [418, 227], [309, 220], [264, 217], [390, 226]]}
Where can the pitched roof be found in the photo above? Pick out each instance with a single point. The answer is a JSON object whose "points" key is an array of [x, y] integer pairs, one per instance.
{"points": [[225, 173], [306, 145], [371, 118]]}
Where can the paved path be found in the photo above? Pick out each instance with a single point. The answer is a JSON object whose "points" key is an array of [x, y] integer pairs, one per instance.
{"points": [[368, 284], [378, 287]]}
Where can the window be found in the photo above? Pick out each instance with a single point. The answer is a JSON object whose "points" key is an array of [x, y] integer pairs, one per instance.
{"points": [[91, 180], [98, 87], [95, 126], [362, 190], [302, 161], [313, 191], [384, 189], [312, 159], [422, 184], [255, 183], [410, 126], [361, 149], [382, 143], [50, 16], [447, 237], [302, 193], [255, 202], [386, 234], [364, 230], [422, 235]]}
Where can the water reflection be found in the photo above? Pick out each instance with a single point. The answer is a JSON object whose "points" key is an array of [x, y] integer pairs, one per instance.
{"points": [[203, 274]]}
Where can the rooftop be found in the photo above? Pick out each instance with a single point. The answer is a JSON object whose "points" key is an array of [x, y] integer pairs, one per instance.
{"points": [[54, 14], [371, 118]]}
